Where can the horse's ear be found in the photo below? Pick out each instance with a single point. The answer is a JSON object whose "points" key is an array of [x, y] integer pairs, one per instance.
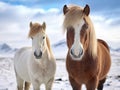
{"points": [[86, 10], [44, 25], [65, 9], [30, 24]]}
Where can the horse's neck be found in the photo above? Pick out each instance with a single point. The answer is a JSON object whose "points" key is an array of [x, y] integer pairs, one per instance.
{"points": [[88, 56], [47, 55], [49, 50]]}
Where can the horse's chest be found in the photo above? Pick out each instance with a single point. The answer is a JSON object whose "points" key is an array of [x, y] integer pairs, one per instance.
{"points": [[43, 72], [81, 71]]}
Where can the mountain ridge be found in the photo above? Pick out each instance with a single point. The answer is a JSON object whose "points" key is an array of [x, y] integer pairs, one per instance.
{"points": [[4, 47]]}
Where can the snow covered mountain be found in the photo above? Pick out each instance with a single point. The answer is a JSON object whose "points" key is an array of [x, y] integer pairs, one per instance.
{"points": [[59, 49], [5, 48]]}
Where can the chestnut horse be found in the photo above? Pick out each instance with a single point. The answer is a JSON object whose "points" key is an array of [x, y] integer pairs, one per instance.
{"points": [[35, 65], [88, 59]]}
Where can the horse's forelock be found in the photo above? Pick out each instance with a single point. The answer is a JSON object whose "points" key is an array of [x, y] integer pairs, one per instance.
{"points": [[36, 28], [74, 15]]}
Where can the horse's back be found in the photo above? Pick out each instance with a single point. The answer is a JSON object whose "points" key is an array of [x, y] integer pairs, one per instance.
{"points": [[104, 43], [104, 57], [20, 62]]}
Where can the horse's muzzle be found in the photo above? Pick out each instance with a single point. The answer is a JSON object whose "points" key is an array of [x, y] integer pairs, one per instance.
{"points": [[38, 56], [76, 56]]}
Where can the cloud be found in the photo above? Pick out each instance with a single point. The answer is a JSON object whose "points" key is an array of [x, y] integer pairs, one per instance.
{"points": [[37, 3], [107, 28], [14, 22], [14, 16]]}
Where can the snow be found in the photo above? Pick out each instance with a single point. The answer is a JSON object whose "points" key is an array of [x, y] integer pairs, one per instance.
{"points": [[8, 79], [14, 36]]}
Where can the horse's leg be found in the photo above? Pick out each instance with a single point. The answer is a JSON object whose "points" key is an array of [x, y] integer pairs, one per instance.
{"points": [[92, 84], [19, 82], [101, 83], [27, 85], [74, 84], [36, 88], [49, 84], [36, 85]]}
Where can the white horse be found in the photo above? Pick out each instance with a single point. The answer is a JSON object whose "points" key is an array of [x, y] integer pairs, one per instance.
{"points": [[35, 65]]}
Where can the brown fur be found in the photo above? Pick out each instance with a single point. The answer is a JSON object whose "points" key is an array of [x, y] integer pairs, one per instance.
{"points": [[92, 69]]}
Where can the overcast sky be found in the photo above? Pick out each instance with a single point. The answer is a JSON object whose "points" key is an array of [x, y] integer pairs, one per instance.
{"points": [[96, 5], [15, 16]]}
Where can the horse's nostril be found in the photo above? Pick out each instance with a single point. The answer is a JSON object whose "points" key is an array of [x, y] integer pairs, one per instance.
{"points": [[38, 56], [81, 52], [71, 52], [35, 54]]}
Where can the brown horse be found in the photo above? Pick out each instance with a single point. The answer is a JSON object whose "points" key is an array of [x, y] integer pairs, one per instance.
{"points": [[88, 60]]}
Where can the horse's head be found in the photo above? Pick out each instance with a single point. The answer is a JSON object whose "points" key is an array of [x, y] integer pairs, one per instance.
{"points": [[78, 26], [38, 36]]}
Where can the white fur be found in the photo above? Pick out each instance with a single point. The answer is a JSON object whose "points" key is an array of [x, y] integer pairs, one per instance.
{"points": [[77, 46], [35, 71], [38, 43]]}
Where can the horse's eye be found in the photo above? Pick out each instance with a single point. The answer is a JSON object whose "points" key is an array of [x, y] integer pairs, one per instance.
{"points": [[85, 26], [43, 37]]}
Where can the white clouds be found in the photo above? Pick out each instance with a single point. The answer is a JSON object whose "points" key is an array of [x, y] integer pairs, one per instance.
{"points": [[107, 28], [14, 20], [20, 16], [55, 10]]}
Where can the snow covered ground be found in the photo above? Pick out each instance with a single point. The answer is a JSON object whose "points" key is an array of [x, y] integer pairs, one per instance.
{"points": [[8, 80], [14, 28]]}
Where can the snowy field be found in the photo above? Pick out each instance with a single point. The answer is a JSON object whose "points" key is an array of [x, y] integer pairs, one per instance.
{"points": [[8, 79], [14, 27]]}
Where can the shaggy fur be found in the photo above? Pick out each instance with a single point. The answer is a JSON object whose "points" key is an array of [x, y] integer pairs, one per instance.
{"points": [[95, 63]]}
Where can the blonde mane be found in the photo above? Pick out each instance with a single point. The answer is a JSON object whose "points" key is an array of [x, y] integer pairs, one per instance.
{"points": [[93, 40], [49, 46], [74, 15], [34, 29]]}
